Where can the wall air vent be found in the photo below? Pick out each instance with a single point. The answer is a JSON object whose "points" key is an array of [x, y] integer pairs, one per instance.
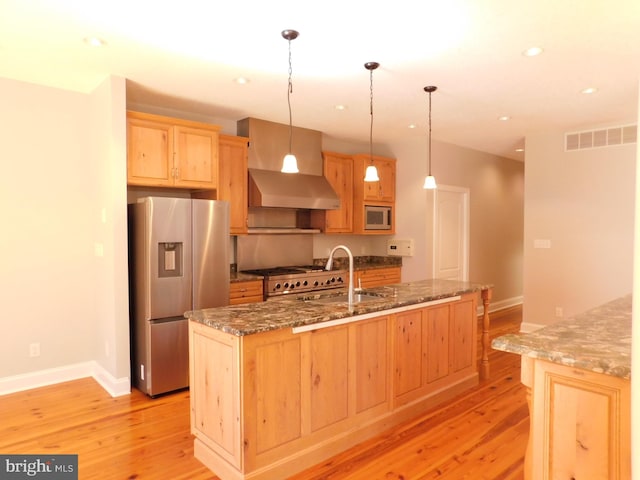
{"points": [[605, 137]]}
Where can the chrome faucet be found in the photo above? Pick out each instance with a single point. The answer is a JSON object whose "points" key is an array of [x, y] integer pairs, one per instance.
{"points": [[330, 263]]}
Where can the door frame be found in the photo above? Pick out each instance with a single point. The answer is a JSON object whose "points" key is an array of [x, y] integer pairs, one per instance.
{"points": [[465, 192]]}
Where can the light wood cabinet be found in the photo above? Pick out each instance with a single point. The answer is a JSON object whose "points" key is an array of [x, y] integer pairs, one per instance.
{"points": [[380, 193], [249, 291], [377, 277], [338, 170], [580, 423], [169, 152], [233, 180], [443, 340], [273, 403]]}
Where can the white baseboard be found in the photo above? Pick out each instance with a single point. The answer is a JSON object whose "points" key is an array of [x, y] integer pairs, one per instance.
{"points": [[113, 386], [502, 304], [529, 327]]}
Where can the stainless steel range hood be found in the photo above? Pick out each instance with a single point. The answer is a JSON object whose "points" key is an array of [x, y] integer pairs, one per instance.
{"points": [[268, 187]]}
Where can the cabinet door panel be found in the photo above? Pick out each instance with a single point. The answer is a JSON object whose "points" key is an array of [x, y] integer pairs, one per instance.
{"points": [[463, 345], [196, 157], [408, 348], [339, 172], [580, 424], [437, 343], [233, 180], [329, 375], [371, 363], [278, 397], [149, 153]]}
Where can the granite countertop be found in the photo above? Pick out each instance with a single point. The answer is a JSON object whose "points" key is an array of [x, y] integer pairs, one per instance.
{"points": [[243, 277], [598, 340], [299, 310]]}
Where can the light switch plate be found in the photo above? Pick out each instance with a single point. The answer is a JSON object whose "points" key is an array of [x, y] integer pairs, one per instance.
{"points": [[542, 243]]}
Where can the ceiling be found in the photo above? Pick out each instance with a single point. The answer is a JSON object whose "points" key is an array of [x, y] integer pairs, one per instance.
{"points": [[186, 56]]}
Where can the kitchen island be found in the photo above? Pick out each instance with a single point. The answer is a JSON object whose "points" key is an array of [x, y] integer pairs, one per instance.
{"points": [[281, 385], [577, 373]]}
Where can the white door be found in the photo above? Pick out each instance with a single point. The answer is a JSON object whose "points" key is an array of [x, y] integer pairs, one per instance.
{"points": [[451, 233]]}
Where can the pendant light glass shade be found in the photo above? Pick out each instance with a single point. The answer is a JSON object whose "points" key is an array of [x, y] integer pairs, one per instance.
{"points": [[430, 180], [289, 163], [430, 183], [371, 173]]}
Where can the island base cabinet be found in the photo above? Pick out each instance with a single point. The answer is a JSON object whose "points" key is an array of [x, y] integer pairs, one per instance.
{"points": [[214, 375], [580, 423], [267, 405]]}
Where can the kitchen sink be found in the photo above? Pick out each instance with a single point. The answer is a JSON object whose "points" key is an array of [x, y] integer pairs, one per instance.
{"points": [[358, 297]]}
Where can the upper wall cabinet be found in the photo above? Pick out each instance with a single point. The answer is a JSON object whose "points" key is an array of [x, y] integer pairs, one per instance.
{"points": [[233, 180], [381, 191], [168, 152], [338, 170]]}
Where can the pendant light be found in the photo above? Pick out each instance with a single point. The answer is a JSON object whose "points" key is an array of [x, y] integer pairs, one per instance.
{"points": [[430, 181], [289, 163], [371, 173]]}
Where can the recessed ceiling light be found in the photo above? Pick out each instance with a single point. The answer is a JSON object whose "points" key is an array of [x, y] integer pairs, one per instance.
{"points": [[589, 90], [341, 107], [532, 52], [412, 125], [241, 80], [504, 118], [94, 42], [519, 149]]}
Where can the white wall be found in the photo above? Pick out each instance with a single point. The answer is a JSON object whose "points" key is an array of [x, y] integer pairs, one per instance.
{"points": [[583, 202], [496, 187], [62, 154]]}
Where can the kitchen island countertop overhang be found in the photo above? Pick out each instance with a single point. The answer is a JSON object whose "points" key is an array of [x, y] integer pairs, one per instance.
{"points": [[301, 310]]}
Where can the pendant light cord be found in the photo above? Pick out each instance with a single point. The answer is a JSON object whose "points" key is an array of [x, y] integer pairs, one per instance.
{"points": [[289, 92], [371, 113], [429, 133]]}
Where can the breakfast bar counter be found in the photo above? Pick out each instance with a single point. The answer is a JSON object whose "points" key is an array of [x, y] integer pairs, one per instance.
{"points": [[296, 310], [282, 385], [577, 373]]}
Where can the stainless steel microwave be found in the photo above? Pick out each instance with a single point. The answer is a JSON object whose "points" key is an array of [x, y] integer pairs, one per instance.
{"points": [[377, 217]]}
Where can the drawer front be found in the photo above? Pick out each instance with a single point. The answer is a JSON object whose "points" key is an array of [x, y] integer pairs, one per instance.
{"points": [[245, 292]]}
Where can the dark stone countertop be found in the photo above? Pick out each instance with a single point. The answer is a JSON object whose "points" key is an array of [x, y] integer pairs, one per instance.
{"points": [[598, 340], [299, 310]]}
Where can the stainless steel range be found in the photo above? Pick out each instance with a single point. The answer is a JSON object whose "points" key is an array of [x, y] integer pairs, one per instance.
{"points": [[280, 281]]}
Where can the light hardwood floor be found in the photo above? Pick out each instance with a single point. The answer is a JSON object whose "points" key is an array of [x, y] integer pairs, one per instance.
{"points": [[481, 434]]}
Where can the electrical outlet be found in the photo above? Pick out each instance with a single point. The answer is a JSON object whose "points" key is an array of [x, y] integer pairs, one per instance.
{"points": [[34, 350], [559, 312]]}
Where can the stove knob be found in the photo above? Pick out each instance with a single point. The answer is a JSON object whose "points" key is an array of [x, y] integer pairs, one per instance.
{"points": [[297, 284], [286, 285], [316, 283], [278, 286], [305, 283], [340, 280], [333, 279]]}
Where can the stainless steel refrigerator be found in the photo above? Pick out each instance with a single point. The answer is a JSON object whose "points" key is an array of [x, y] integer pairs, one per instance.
{"points": [[179, 261]]}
